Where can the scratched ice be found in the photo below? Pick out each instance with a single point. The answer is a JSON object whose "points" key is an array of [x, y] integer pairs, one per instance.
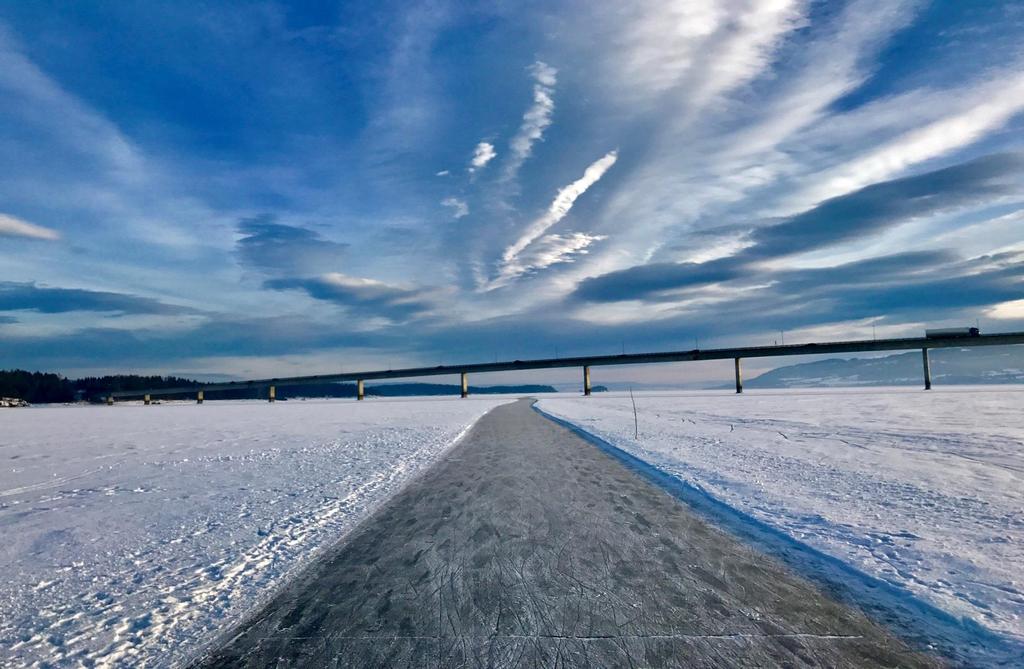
{"points": [[923, 490], [132, 534]]}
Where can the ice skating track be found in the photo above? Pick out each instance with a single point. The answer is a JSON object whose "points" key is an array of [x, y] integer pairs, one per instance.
{"points": [[528, 547]]}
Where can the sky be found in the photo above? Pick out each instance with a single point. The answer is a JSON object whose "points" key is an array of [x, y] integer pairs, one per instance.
{"points": [[244, 189]]}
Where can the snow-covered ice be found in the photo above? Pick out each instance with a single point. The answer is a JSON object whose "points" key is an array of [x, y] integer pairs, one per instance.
{"points": [[131, 535], [923, 490]]}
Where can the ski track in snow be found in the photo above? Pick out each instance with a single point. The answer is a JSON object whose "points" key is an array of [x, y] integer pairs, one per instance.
{"points": [[134, 535], [924, 491]]}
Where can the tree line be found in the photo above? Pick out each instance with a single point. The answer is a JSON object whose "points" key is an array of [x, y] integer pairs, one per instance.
{"points": [[44, 387]]}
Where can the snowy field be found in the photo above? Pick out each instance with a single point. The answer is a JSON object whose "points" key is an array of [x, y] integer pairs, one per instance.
{"points": [[923, 490], [132, 534]]}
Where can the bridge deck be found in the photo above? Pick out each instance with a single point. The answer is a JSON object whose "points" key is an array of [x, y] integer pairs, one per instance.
{"points": [[526, 546]]}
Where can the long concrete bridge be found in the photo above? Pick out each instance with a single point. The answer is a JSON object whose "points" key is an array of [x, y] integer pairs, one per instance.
{"points": [[586, 362]]}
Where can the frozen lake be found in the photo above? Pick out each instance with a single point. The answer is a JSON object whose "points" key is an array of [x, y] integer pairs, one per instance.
{"points": [[132, 534], [922, 490]]}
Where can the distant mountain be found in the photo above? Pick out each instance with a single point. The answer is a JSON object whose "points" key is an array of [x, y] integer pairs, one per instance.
{"points": [[951, 366]]}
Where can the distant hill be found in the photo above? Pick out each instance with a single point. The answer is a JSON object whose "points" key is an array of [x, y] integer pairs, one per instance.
{"points": [[951, 366], [43, 388]]}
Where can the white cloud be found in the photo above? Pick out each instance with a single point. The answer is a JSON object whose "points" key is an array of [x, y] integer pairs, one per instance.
{"points": [[87, 165], [1007, 310], [554, 249], [746, 42], [442, 173], [988, 108], [459, 207], [704, 164], [15, 227], [544, 74], [562, 203], [558, 209], [482, 155], [536, 119], [76, 124], [369, 287], [692, 49]]}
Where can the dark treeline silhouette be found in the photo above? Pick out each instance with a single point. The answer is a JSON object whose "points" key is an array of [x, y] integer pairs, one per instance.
{"points": [[42, 388]]}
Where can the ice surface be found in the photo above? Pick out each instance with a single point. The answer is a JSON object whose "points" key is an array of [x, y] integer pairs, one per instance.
{"points": [[131, 535], [923, 490]]}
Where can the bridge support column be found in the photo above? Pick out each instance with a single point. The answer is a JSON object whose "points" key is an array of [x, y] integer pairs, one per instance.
{"points": [[465, 385], [586, 380], [927, 369], [271, 394], [146, 400], [360, 390], [739, 376], [199, 397]]}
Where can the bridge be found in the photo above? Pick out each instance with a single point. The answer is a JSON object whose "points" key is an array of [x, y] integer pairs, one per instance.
{"points": [[924, 344]]}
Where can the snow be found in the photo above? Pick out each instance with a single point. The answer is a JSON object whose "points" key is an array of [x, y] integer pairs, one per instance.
{"points": [[132, 535], [922, 490]]}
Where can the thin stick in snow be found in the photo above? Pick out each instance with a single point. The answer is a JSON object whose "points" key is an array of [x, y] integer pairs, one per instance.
{"points": [[636, 425]]}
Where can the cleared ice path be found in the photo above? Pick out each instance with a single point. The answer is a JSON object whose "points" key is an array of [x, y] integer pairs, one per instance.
{"points": [[527, 546]]}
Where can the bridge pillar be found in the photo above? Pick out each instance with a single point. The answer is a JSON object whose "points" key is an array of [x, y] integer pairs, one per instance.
{"points": [[586, 380], [927, 369], [465, 384], [146, 400], [271, 394], [739, 376], [360, 390], [199, 397]]}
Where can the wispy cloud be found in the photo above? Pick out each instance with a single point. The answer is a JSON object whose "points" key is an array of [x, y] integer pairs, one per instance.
{"points": [[558, 209], [554, 249], [482, 154], [275, 249], [16, 296], [562, 203], [459, 207], [990, 107], [15, 227], [364, 296], [699, 166], [536, 119], [766, 152], [882, 206], [868, 211], [695, 47]]}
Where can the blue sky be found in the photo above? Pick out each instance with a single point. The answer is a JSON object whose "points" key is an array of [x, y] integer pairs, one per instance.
{"points": [[249, 189]]}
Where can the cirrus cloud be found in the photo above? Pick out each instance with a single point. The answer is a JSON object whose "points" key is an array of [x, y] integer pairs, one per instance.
{"points": [[16, 227], [367, 297], [482, 154], [559, 208]]}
